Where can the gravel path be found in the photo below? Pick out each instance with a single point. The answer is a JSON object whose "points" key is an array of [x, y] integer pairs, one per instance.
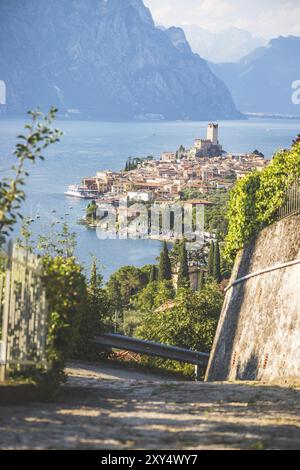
{"points": [[103, 408]]}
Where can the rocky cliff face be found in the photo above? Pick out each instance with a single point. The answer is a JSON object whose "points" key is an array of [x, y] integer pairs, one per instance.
{"points": [[103, 59]]}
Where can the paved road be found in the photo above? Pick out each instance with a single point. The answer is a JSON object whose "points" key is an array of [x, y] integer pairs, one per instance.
{"points": [[106, 409], [113, 372]]}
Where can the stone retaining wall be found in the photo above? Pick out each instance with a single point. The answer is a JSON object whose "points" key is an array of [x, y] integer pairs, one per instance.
{"points": [[258, 336]]}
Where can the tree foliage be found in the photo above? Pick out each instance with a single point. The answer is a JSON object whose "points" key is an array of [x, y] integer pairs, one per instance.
{"points": [[183, 272], [165, 269], [60, 242], [215, 215], [94, 316], [124, 284], [153, 273], [91, 212], [210, 260], [217, 263], [134, 163], [76, 307], [256, 198], [67, 299], [201, 281], [189, 321], [154, 295]]}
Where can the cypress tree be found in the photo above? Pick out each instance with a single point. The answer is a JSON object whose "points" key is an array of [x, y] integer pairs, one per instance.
{"points": [[96, 281], [217, 263], [91, 211], [201, 281], [94, 276], [183, 273], [95, 311], [152, 277], [210, 262], [175, 253], [165, 270]]}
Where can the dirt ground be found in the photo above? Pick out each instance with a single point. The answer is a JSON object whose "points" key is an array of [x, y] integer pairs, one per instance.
{"points": [[110, 408]]}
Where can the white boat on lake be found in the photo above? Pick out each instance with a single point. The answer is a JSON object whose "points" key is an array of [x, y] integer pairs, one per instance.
{"points": [[81, 192]]}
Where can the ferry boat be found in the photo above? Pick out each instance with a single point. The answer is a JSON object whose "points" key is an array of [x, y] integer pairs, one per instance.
{"points": [[81, 192]]}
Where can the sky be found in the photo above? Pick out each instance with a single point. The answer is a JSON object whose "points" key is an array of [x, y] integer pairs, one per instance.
{"points": [[263, 18]]}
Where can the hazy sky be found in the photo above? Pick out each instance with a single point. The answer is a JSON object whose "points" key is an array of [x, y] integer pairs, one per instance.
{"points": [[266, 18]]}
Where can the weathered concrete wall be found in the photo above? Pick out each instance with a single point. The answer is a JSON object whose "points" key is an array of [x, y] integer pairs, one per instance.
{"points": [[258, 336]]}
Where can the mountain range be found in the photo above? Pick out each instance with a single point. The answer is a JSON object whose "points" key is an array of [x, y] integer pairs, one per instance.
{"points": [[104, 59], [229, 45], [262, 81]]}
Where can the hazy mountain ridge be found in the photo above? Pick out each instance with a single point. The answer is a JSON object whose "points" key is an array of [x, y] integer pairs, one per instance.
{"points": [[229, 45], [262, 81], [104, 59]]}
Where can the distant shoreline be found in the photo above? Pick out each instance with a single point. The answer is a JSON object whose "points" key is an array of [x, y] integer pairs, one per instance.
{"points": [[247, 117], [84, 118], [271, 116]]}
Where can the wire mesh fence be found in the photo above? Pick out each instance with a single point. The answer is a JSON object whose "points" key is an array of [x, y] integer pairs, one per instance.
{"points": [[23, 309], [292, 202]]}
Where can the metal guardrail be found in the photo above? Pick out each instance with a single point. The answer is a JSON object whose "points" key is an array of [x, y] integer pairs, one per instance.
{"points": [[262, 271], [150, 348], [292, 203]]}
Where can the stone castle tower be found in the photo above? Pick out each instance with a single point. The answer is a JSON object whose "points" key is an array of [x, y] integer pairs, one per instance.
{"points": [[213, 133]]}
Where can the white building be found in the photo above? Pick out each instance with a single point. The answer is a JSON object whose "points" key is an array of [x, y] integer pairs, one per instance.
{"points": [[168, 157], [140, 196]]}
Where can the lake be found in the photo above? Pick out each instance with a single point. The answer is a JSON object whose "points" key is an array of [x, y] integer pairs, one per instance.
{"points": [[87, 147]]}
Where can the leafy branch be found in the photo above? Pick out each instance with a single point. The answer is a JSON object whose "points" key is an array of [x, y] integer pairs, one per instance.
{"points": [[30, 147]]}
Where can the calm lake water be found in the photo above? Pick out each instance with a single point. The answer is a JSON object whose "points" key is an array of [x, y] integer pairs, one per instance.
{"points": [[90, 146]]}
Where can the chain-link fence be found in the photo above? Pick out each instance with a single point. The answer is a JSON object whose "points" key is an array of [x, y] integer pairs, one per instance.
{"points": [[23, 309], [292, 202]]}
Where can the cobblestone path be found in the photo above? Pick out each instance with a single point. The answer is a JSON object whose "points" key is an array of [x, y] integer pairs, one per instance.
{"points": [[95, 412]]}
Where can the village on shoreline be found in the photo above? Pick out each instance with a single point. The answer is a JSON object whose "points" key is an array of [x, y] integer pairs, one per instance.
{"points": [[189, 176]]}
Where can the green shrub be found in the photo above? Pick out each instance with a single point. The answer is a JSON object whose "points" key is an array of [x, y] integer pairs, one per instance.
{"points": [[255, 199], [242, 214], [67, 300], [188, 321]]}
